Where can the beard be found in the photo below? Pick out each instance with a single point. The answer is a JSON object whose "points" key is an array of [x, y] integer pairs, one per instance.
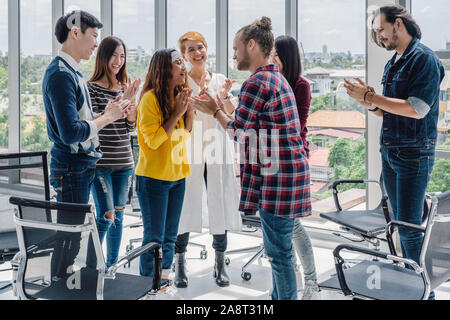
{"points": [[393, 43], [244, 64]]}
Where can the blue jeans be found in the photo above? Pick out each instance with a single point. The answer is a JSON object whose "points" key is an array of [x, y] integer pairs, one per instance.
{"points": [[277, 236], [72, 184], [110, 190], [161, 203], [302, 244], [406, 173]]}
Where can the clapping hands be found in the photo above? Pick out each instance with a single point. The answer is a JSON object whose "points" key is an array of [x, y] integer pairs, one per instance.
{"points": [[226, 88], [117, 109], [130, 92]]}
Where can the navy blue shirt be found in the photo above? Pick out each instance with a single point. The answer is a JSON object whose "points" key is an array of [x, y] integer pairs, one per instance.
{"points": [[70, 120], [415, 77]]}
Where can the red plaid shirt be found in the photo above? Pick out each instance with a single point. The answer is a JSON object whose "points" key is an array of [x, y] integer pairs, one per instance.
{"points": [[275, 172]]}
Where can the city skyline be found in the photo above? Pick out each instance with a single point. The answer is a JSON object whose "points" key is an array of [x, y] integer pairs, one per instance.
{"points": [[319, 24]]}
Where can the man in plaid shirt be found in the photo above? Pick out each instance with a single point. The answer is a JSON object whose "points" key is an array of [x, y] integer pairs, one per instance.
{"points": [[267, 115]]}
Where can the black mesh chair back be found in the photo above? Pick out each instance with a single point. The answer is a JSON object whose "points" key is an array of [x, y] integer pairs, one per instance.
{"points": [[24, 168], [27, 168], [436, 251], [61, 258]]}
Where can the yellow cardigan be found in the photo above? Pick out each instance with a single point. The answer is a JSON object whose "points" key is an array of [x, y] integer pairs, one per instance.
{"points": [[161, 157]]}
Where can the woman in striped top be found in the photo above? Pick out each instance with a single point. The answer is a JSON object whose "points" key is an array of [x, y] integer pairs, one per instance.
{"points": [[114, 171]]}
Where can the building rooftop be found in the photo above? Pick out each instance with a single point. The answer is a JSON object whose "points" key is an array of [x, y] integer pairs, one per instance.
{"points": [[348, 73], [337, 119], [337, 133], [317, 70], [319, 157]]}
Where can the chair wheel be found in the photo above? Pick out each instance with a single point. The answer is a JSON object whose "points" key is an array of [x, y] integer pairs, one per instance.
{"points": [[204, 255], [246, 276], [227, 261]]}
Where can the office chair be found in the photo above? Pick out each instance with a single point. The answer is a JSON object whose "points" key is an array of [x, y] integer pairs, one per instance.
{"points": [[136, 208], [366, 225], [68, 257], [12, 164], [389, 279]]}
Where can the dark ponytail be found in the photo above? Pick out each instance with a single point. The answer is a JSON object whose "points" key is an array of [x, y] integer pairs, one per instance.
{"points": [[391, 14]]}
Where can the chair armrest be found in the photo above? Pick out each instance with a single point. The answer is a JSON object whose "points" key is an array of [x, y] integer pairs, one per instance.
{"points": [[51, 205], [339, 262], [390, 230], [346, 181], [136, 253]]}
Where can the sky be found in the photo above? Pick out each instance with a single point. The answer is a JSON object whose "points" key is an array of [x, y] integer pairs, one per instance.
{"points": [[338, 24]]}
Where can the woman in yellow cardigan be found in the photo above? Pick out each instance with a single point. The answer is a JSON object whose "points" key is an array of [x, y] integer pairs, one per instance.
{"points": [[164, 123]]}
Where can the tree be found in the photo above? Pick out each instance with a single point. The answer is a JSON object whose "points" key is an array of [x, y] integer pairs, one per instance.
{"points": [[440, 180], [348, 159], [3, 78], [322, 103], [4, 128], [36, 139]]}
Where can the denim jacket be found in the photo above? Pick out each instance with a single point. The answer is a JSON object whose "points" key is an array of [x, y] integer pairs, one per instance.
{"points": [[415, 77]]}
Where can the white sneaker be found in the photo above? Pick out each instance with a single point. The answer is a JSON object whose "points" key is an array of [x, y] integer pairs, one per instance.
{"points": [[312, 291]]}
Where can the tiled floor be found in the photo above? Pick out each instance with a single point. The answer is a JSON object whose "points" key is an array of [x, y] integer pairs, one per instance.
{"points": [[201, 281]]}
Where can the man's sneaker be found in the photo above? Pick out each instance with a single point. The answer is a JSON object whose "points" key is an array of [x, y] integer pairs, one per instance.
{"points": [[312, 291]]}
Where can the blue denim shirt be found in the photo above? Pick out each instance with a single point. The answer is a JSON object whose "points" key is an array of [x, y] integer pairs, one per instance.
{"points": [[415, 77]]}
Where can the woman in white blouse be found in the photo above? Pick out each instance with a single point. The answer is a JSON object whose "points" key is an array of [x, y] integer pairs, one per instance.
{"points": [[212, 166]]}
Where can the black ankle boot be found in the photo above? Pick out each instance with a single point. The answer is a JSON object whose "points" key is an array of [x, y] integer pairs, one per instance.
{"points": [[181, 280], [220, 274]]}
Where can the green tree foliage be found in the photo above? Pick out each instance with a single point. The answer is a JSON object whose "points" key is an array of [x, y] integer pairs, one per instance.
{"points": [[3, 78], [440, 179], [348, 159], [329, 102], [32, 73], [322, 103], [37, 138], [4, 128]]}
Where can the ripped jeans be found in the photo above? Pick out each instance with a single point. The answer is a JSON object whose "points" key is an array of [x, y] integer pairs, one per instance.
{"points": [[110, 190]]}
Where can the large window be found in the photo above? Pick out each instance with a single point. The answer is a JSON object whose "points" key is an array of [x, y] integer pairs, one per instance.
{"points": [[3, 75], [134, 23], [200, 17], [433, 16], [242, 13], [36, 53], [93, 7], [332, 41]]}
